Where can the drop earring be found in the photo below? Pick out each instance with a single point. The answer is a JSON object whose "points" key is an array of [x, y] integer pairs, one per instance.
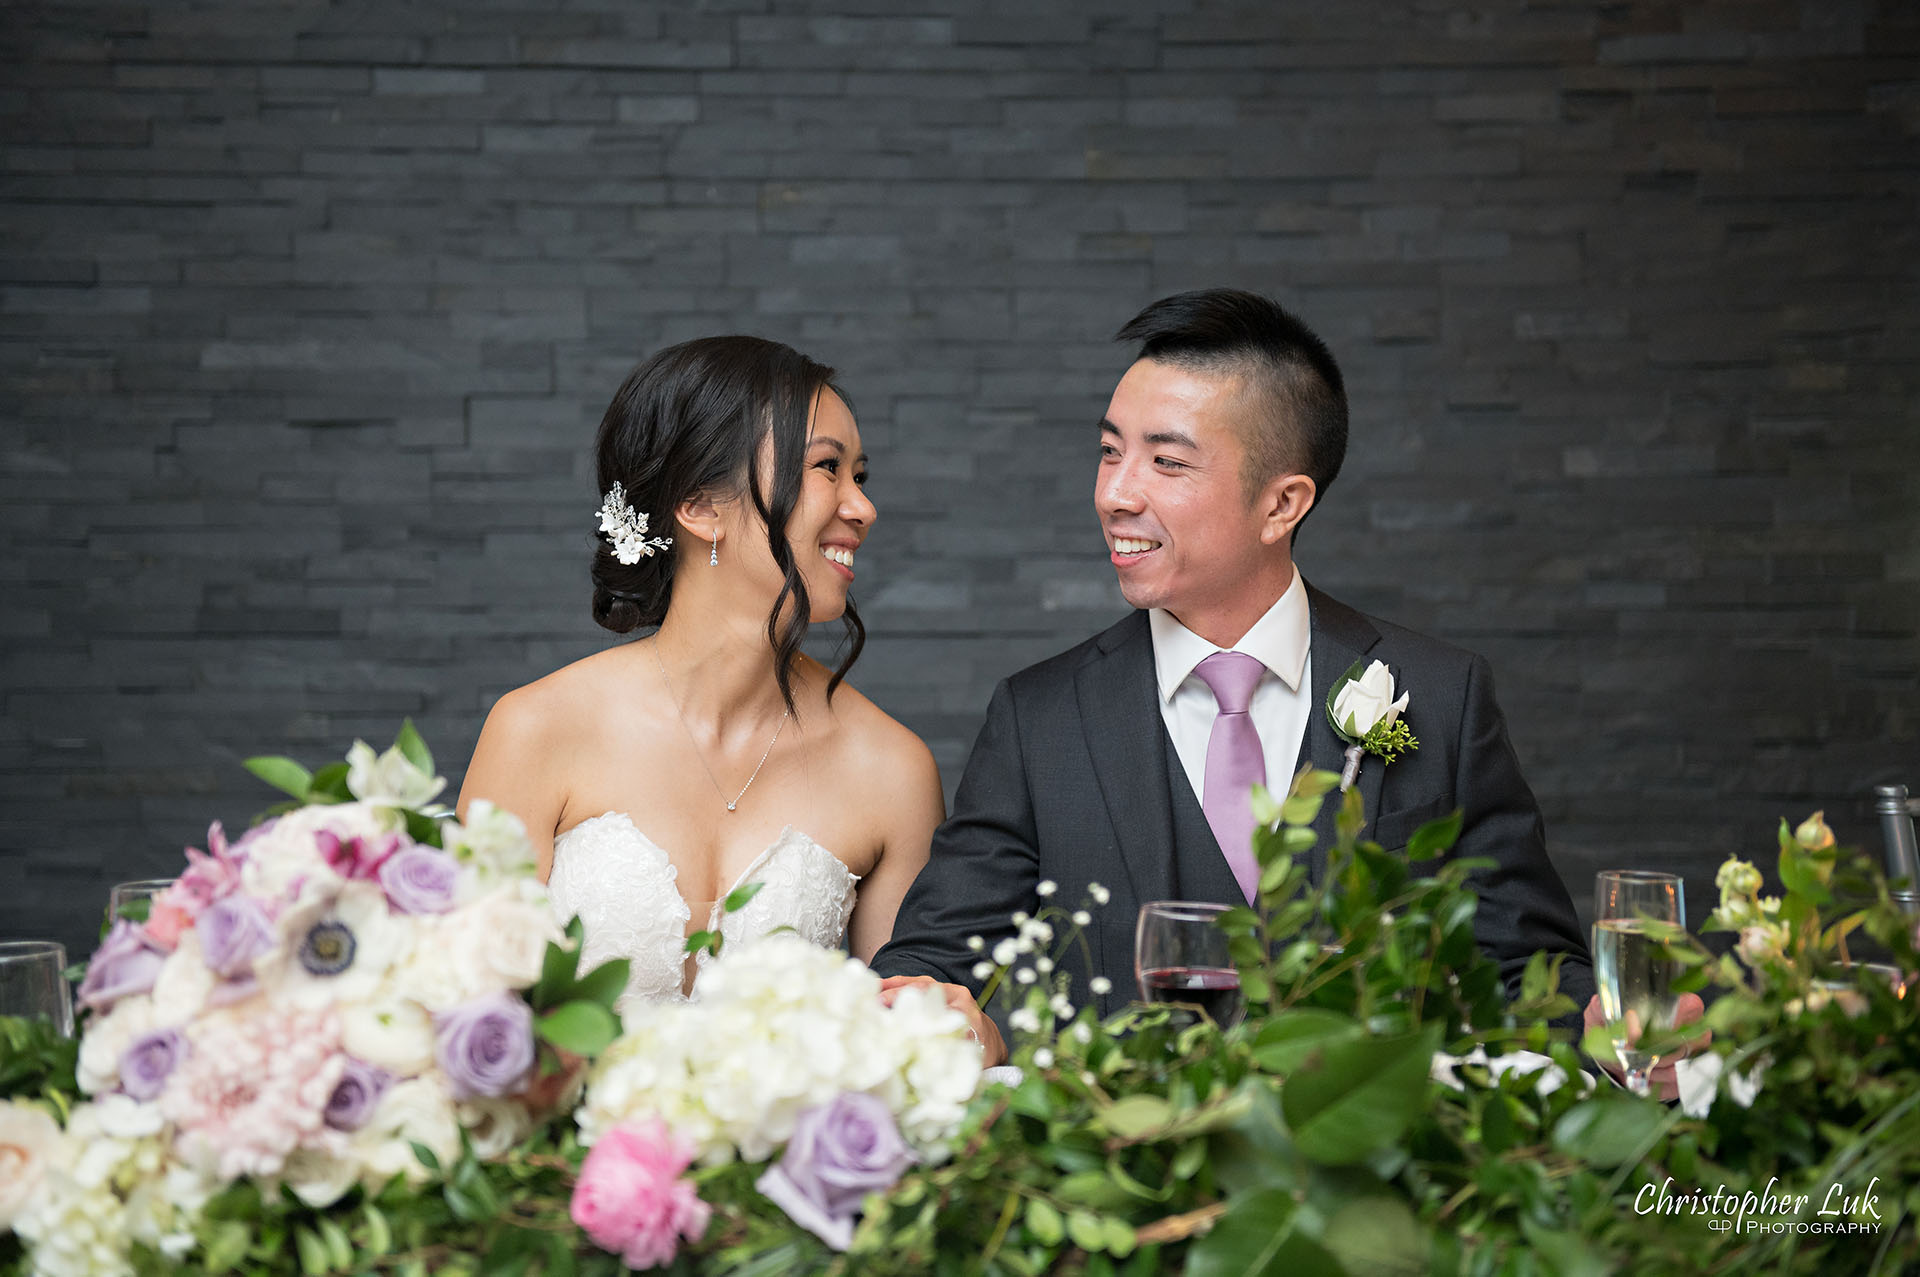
{"points": [[713, 558]]}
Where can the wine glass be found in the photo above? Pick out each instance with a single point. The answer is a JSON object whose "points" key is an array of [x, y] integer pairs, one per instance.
{"points": [[33, 982], [125, 893], [1180, 955], [1635, 980]]}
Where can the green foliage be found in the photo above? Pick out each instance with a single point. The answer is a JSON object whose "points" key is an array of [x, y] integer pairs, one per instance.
{"points": [[36, 1063]]}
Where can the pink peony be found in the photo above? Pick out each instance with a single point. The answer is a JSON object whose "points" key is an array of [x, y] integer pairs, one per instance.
{"points": [[253, 1088], [630, 1198]]}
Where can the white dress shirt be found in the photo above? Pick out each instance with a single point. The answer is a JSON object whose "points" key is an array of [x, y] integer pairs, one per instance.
{"points": [[1279, 640]]}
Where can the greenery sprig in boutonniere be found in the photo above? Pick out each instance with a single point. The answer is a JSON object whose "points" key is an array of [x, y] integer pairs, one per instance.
{"points": [[1365, 714]]}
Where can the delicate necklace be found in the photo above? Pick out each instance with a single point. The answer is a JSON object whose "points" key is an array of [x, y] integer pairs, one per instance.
{"points": [[674, 696]]}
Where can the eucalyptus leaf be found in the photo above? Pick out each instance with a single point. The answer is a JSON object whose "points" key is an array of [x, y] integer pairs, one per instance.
{"points": [[1044, 1222], [413, 747]]}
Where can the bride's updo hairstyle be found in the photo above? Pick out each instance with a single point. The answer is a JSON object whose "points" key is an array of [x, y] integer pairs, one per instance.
{"points": [[689, 422]]}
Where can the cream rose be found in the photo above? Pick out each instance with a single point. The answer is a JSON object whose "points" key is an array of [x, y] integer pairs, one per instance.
{"points": [[30, 1141]]}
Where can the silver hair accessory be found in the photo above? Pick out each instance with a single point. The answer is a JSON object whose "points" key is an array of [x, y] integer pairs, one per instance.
{"points": [[626, 527]]}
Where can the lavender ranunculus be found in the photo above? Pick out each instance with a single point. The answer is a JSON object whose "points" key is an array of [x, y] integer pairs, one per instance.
{"points": [[233, 932], [126, 963], [356, 1095], [485, 1047], [419, 880], [149, 1060], [840, 1151]]}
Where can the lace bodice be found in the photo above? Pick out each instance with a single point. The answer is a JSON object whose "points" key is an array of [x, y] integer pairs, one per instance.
{"points": [[623, 887]]}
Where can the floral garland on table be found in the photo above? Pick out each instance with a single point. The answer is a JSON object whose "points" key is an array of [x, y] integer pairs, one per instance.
{"points": [[344, 997]]}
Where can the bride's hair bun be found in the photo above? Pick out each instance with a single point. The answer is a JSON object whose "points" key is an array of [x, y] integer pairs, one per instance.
{"points": [[690, 422]]}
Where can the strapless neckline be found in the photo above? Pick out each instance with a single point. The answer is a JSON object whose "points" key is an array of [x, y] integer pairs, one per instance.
{"points": [[624, 887], [788, 836]]}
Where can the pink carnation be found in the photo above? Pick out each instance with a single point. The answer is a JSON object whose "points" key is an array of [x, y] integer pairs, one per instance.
{"points": [[254, 1088], [630, 1198]]}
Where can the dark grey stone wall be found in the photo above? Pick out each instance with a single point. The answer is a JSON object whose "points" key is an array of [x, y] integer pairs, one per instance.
{"points": [[307, 311]]}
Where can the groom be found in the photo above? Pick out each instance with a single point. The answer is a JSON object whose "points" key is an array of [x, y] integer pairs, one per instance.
{"points": [[1127, 760]]}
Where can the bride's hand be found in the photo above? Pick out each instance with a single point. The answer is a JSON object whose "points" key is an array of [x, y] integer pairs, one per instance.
{"points": [[960, 998]]}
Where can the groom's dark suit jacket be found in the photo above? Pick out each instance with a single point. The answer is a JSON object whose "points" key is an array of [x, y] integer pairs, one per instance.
{"points": [[1074, 779]]}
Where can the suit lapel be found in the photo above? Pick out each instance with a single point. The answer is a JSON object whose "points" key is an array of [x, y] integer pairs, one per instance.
{"points": [[1340, 636], [1125, 735]]}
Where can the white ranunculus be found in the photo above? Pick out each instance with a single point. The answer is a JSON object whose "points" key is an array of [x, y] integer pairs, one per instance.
{"points": [[389, 778], [1366, 701], [492, 841], [390, 1032], [30, 1142], [184, 984], [319, 1177], [505, 934]]}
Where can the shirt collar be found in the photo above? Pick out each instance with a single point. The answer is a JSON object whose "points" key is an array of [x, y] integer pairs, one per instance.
{"points": [[1278, 640]]}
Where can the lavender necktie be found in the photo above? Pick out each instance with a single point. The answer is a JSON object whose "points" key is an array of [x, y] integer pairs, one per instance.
{"points": [[1235, 762]]}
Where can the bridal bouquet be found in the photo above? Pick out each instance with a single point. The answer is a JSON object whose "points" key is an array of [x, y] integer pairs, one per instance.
{"points": [[339, 997]]}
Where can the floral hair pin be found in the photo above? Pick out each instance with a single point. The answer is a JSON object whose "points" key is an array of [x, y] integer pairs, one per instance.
{"points": [[1365, 714], [626, 527]]}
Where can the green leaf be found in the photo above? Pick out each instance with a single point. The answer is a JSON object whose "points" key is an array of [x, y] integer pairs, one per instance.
{"points": [[584, 1028], [1136, 1115], [330, 784], [1312, 782], [1258, 1236], [1360, 1095], [282, 773], [1287, 1040], [1300, 812], [379, 1233], [1435, 838], [703, 940], [1266, 808], [425, 1155], [1086, 1230], [1377, 1235], [313, 1252], [604, 984], [1567, 1253], [1044, 1222], [413, 748], [1610, 1130], [339, 1249], [1275, 873], [737, 898], [557, 966]]}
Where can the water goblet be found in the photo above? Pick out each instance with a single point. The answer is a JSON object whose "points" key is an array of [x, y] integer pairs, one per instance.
{"points": [[1180, 955], [33, 982], [1634, 978], [126, 893]]}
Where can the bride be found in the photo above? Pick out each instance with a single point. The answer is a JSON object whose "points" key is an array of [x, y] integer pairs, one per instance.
{"points": [[657, 776]]}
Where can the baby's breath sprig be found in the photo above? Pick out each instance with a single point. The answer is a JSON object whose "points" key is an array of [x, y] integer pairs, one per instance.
{"points": [[1024, 967]]}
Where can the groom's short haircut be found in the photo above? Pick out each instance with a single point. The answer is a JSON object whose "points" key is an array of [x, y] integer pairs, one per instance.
{"points": [[1303, 428]]}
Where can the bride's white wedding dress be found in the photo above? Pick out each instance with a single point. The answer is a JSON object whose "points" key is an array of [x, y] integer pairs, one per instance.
{"points": [[623, 887]]}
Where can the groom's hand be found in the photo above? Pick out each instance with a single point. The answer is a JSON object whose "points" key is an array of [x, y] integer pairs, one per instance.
{"points": [[960, 998], [1662, 1080]]}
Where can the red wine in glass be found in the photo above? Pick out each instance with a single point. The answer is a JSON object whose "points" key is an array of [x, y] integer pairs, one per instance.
{"points": [[1215, 990]]}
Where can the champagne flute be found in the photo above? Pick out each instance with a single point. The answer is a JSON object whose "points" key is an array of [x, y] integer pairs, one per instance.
{"points": [[125, 893], [1635, 980], [33, 982], [1180, 955]]}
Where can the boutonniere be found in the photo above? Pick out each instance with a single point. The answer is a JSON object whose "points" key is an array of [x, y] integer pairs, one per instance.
{"points": [[1365, 715]]}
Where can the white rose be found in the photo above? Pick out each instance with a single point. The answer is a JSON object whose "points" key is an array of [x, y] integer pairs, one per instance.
{"points": [[494, 1125], [185, 981], [1368, 700], [319, 1177], [389, 778], [30, 1142], [505, 934], [389, 1031], [419, 1109]]}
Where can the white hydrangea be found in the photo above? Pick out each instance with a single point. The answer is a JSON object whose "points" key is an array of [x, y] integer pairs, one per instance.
{"points": [[779, 1026], [111, 1184]]}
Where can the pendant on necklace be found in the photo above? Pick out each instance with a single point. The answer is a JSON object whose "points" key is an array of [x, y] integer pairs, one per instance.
{"points": [[729, 806]]}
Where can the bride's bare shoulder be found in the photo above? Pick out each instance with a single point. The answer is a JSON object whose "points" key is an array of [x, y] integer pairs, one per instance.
{"points": [[876, 742], [563, 703]]}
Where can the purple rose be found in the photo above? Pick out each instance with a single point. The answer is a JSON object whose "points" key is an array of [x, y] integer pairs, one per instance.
{"points": [[126, 963], [149, 1060], [419, 880], [233, 932], [356, 1095], [485, 1047], [840, 1152]]}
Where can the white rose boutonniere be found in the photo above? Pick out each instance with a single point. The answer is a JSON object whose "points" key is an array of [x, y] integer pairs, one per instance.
{"points": [[1364, 713]]}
